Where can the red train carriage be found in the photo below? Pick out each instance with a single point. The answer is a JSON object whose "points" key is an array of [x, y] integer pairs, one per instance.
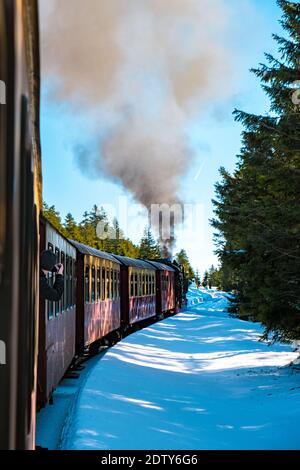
{"points": [[138, 286], [165, 291], [98, 295], [57, 328]]}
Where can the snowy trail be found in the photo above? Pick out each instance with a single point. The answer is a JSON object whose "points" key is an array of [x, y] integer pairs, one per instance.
{"points": [[199, 380]]}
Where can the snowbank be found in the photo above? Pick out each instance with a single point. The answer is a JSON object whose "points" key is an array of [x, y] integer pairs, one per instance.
{"points": [[199, 380]]}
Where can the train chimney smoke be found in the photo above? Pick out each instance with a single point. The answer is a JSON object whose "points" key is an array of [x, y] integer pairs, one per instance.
{"points": [[144, 69]]}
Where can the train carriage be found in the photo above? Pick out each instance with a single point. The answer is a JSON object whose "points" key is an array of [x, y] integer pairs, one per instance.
{"points": [[20, 201], [98, 295], [57, 320], [138, 288], [165, 291]]}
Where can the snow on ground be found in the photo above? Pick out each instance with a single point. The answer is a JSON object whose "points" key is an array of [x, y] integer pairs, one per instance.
{"points": [[199, 380]]}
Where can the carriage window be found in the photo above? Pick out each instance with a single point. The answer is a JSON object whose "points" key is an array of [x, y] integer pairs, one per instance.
{"points": [[67, 281], [118, 283], [115, 283], [57, 304], [50, 305], [131, 286], [98, 284], [93, 284], [71, 281], [74, 282], [112, 292], [107, 284], [87, 284], [62, 260], [103, 284]]}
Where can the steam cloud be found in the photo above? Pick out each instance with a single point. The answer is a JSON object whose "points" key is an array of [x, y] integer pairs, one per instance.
{"points": [[145, 68]]}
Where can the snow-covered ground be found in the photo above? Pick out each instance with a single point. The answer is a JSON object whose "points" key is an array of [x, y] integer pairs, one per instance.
{"points": [[198, 380]]}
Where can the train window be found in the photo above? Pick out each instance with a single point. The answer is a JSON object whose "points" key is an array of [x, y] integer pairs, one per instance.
{"points": [[115, 283], [103, 284], [67, 281], [118, 283], [57, 304], [62, 260], [87, 284], [50, 305], [140, 285], [107, 284], [93, 284], [98, 297], [74, 282], [112, 290], [71, 268], [131, 286]]}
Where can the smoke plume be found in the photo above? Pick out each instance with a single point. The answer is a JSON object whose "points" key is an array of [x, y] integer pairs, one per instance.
{"points": [[145, 68]]}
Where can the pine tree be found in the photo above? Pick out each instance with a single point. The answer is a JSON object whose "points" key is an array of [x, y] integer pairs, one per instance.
{"points": [[51, 214], [205, 279], [257, 208], [182, 259], [197, 278], [149, 248], [72, 230]]}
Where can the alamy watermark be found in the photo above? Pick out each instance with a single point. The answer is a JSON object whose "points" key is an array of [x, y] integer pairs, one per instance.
{"points": [[2, 353], [164, 219], [2, 92]]}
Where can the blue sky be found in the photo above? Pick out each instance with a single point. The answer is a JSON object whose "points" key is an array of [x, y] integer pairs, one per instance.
{"points": [[215, 136]]}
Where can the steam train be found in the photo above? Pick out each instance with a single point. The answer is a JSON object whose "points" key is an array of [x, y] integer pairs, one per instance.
{"points": [[105, 296]]}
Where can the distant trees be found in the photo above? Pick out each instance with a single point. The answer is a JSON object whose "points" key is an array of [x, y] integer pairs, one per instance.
{"points": [[257, 211], [95, 230], [112, 239], [53, 216]]}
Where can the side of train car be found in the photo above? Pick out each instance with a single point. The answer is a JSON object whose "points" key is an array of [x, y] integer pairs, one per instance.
{"points": [[20, 201], [104, 295]]}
